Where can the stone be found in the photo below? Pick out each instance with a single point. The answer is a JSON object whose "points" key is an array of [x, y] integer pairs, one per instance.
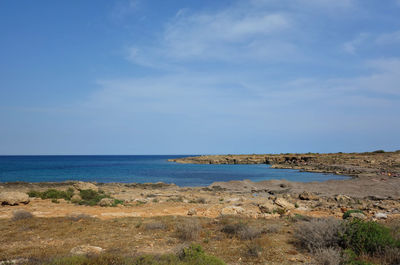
{"points": [[13, 198], [308, 196], [106, 202], [80, 185], [192, 211], [360, 216], [232, 210], [76, 198], [284, 204], [86, 250], [267, 207], [343, 198], [380, 215]]}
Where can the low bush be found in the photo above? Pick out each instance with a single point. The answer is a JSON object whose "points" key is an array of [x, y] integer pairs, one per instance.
{"points": [[91, 197], [242, 230], [194, 255], [367, 237], [188, 230], [53, 194], [319, 234], [21, 214]]}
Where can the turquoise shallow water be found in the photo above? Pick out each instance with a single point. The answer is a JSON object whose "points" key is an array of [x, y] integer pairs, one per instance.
{"points": [[139, 169]]}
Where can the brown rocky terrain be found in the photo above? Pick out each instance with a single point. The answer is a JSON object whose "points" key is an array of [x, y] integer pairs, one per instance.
{"points": [[55, 227]]}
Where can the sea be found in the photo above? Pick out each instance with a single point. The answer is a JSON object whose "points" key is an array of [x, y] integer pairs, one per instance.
{"points": [[139, 169]]}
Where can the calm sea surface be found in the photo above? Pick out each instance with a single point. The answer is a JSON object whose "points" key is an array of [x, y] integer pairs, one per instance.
{"points": [[139, 169]]}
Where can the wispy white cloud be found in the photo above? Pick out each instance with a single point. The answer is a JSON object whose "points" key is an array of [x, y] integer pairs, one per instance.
{"points": [[124, 8], [352, 46], [389, 38]]}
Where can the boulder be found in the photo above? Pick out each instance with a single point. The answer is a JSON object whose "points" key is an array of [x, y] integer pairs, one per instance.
{"points": [[106, 202], [232, 210], [343, 198], [360, 216], [86, 250], [13, 198], [284, 204], [267, 207], [380, 216], [192, 211], [80, 185], [76, 198], [308, 196]]}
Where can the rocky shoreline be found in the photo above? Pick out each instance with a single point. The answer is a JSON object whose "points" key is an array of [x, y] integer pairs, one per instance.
{"points": [[376, 163]]}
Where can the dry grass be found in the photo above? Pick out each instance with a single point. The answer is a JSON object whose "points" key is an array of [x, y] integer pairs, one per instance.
{"points": [[155, 226], [188, 230], [42, 238], [329, 256]]}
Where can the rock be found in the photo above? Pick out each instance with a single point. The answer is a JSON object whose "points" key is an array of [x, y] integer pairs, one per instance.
{"points": [[80, 185], [192, 211], [284, 204], [76, 198], [86, 250], [360, 216], [267, 207], [13, 198], [106, 202], [343, 199], [380, 215], [308, 196], [233, 199], [232, 210]]}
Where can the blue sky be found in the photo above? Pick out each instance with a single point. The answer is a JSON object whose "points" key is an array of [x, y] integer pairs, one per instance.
{"points": [[192, 77]]}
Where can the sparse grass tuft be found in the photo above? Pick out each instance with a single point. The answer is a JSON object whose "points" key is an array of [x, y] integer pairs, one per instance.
{"points": [[188, 230], [329, 256], [156, 226], [253, 250]]}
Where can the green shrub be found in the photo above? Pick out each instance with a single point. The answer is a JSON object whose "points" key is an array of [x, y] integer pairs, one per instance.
{"points": [[352, 259], [52, 194], [347, 213], [195, 255], [91, 197], [367, 237]]}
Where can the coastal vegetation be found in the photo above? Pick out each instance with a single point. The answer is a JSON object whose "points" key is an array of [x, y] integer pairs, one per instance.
{"points": [[85, 197]]}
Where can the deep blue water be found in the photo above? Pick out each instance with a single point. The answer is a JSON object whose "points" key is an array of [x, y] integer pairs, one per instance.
{"points": [[139, 169]]}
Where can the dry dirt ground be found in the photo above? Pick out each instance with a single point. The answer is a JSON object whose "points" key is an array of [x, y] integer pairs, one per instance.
{"points": [[58, 227]]}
